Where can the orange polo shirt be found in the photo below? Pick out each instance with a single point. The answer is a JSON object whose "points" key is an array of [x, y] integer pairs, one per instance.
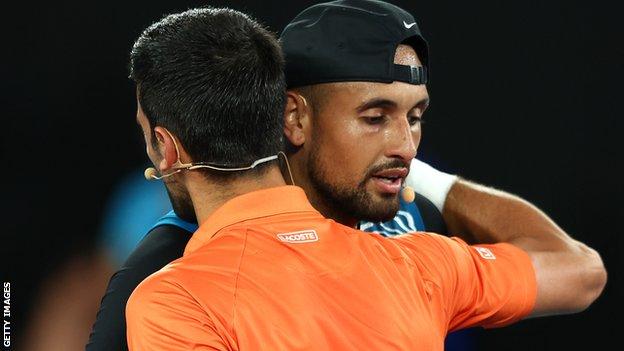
{"points": [[267, 272]]}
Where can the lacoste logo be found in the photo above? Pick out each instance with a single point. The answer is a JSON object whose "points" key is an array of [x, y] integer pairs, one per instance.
{"points": [[304, 236], [485, 253], [408, 26]]}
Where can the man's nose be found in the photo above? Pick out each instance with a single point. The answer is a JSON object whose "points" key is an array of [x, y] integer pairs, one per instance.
{"points": [[403, 141]]}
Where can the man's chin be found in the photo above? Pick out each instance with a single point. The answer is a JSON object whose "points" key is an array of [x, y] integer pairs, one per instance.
{"points": [[380, 198], [382, 207]]}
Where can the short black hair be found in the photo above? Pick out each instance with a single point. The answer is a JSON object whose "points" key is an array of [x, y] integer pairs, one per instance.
{"points": [[214, 78]]}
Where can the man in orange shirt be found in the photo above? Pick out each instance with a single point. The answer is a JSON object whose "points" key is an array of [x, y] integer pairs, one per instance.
{"points": [[265, 270]]}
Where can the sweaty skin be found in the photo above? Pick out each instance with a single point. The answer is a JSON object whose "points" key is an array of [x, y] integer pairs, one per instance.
{"points": [[371, 131], [352, 155], [570, 275], [347, 144]]}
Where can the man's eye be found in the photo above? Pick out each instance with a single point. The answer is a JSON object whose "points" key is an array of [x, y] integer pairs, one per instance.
{"points": [[373, 120], [414, 120]]}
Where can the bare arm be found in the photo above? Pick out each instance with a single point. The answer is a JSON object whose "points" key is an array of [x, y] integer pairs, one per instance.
{"points": [[570, 275]]}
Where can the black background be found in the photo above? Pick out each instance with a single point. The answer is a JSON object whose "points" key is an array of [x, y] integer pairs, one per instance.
{"points": [[525, 97]]}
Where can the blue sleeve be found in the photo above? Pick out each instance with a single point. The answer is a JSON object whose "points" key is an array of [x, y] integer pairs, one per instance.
{"points": [[172, 219]]}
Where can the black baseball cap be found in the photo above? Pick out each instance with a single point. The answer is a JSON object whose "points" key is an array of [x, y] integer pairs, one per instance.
{"points": [[351, 40]]}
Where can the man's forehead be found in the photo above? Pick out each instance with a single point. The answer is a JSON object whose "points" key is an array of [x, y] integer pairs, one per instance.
{"points": [[406, 55], [359, 92]]}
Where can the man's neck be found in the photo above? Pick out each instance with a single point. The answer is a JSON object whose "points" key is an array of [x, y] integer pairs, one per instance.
{"points": [[208, 196], [330, 211], [318, 201]]}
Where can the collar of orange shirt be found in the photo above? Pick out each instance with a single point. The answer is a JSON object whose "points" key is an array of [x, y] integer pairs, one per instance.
{"points": [[253, 205]]}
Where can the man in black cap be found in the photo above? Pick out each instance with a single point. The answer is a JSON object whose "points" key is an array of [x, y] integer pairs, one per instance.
{"points": [[356, 73], [266, 271]]}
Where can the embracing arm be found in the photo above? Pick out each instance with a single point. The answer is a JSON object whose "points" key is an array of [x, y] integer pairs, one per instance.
{"points": [[570, 275]]}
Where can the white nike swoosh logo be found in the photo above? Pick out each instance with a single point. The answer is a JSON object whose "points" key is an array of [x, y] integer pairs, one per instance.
{"points": [[408, 26]]}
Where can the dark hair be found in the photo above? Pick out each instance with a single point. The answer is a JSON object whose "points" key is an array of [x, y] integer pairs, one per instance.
{"points": [[214, 78]]}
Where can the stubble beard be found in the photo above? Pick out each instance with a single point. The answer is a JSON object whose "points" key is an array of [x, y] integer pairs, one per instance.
{"points": [[346, 201], [181, 202]]}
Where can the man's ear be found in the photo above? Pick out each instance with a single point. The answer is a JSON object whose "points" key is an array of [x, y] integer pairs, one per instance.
{"points": [[167, 147], [296, 118]]}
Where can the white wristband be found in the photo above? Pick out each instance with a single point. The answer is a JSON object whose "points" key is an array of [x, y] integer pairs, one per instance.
{"points": [[430, 183]]}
